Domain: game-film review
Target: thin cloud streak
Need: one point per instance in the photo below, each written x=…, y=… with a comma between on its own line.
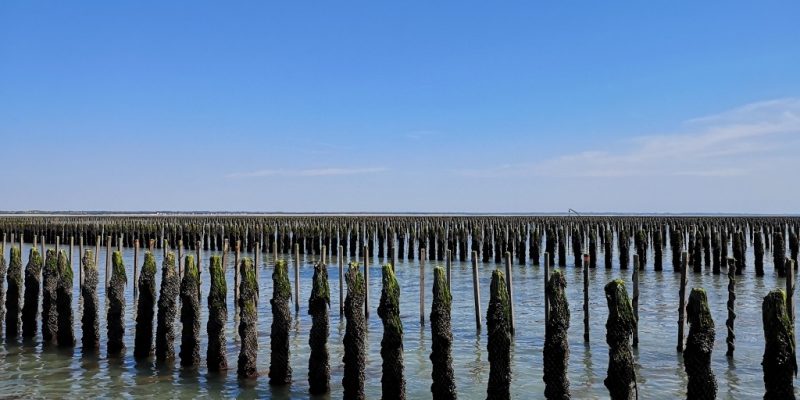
x=313, y=172
x=733, y=143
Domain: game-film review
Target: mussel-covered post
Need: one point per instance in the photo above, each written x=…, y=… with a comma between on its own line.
x=33, y=282
x=319, y=369
x=699, y=345
x=355, y=336
x=90, y=321
x=190, y=314
x=167, y=305
x=248, y=321
x=280, y=372
x=393, y=384
x=556, y=343
x=143, y=345
x=49, y=298
x=115, y=317
x=216, y=355
x=779, y=362
x=14, y=293
x=621, y=379
x=444, y=385
x=65, y=336
x=498, y=322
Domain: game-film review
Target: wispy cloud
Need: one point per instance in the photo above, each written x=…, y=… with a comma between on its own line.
x=313, y=172
x=737, y=142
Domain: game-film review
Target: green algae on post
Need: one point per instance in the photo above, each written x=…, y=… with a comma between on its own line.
x=167, y=305
x=319, y=369
x=115, y=316
x=143, y=342
x=556, y=343
x=49, y=298
x=65, y=335
x=216, y=355
x=248, y=320
x=498, y=321
x=33, y=282
x=779, y=362
x=190, y=314
x=355, y=335
x=393, y=384
x=90, y=320
x=621, y=377
x=444, y=384
x=280, y=372
x=699, y=346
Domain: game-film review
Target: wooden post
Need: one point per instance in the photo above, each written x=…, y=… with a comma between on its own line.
x=635, y=300
x=180, y=255
x=198, y=251
x=394, y=252
x=422, y=259
x=682, y=300
x=274, y=251
x=58, y=245
x=340, y=257
x=510, y=288
x=135, y=267
x=257, y=257
x=324, y=255
x=297, y=277
x=476, y=290
x=366, y=281
x=80, y=262
x=546, y=282
x=790, y=288
x=731, y=338
x=119, y=243
x=96, y=250
x=108, y=261
x=586, y=298
x=236, y=278
x=447, y=263
x=72, y=254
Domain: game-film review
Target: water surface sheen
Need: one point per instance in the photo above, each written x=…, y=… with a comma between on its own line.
x=28, y=370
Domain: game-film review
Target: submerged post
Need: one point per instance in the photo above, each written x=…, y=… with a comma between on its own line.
x=546, y=283
x=297, y=277
x=476, y=290
x=237, y=277
x=682, y=301
x=136, y=267
x=447, y=264
x=340, y=256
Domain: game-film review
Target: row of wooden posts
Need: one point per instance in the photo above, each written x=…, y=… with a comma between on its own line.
x=621, y=327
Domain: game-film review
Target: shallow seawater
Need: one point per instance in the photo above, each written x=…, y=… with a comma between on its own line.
x=28, y=370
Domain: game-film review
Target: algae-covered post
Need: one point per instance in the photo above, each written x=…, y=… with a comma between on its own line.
x=80, y=264
x=319, y=369
x=143, y=344
x=355, y=336
x=443, y=386
x=190, y=315
x=296, y=277
x=366, y=281
x=556, y=343
x=546, y=282
x=621, y=379
x=789, y=263
x=393, y=385
x=699, y=345
x=49, y=298
x=280, y=372
x=108, y=262
x=216, y=355
x=498, y=323
x=237, y=277
x=33, y=281
x=731, y=338
x=340, y=257
x=167, y=304
x=779, y=362
x=90, y=320
x=586, y=298
x=136, y=271
x=448, y=266
x=65, y=335
x=248, y=320
x=115, y=317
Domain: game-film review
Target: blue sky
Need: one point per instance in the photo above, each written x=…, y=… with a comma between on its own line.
x=400, y=106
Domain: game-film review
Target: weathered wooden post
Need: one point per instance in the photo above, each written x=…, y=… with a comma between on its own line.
x=237, y=276
x=779, y=361
x=635, y=300
x=136, y=268
x=443, y=386
x=498, y=325
x=546, y=282
x=447, y=264
x=297, y=277
x=354, y=340
x=476, y=290
x=509, y=288
x=248, y=321
x=340, y=257
x=366, y=281
x=790, y=288
x=180, y=255
x=556, y=344
x=108, y=261
x=256, y=260
x=324, y=254
x=621, y=379
x=586, y=298
x=71, y=255
x=731, y=338
x=90, y=321
x=682, y=300
x=422, y=259
x=393, y=383
x=699, y=345
x=97, y=242
x=280, y=372
x=80, y=263
x=199, y=251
